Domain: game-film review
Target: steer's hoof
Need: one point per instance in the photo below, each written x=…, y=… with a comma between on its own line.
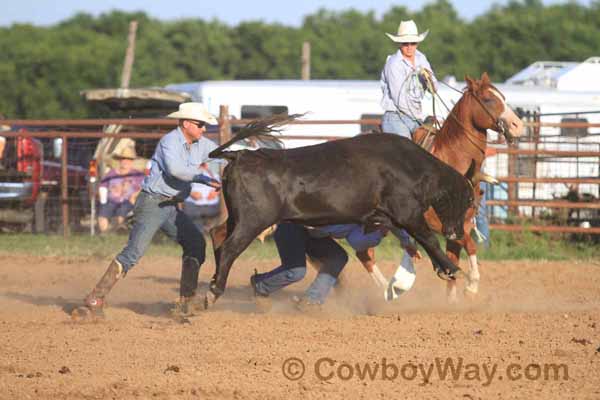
x=446, y=275
x=209, y=299
x=186, y=307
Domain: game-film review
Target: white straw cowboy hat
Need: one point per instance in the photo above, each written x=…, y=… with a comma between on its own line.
x=127, y=152
x=194, y=111
x=408, y=33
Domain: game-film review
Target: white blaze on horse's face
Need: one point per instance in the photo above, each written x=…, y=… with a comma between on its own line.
x=512, y=123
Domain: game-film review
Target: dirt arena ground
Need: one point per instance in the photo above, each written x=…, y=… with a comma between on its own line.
x=534, y=332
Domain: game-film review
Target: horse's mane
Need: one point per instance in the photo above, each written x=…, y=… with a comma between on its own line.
x=451, y=128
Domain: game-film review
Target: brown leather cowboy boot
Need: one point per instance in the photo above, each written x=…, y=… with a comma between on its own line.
x=186, y=305
x=94, y=302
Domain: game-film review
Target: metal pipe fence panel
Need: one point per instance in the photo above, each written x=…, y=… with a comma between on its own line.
x=550, y=180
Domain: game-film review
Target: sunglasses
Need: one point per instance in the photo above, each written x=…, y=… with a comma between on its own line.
x=199, y=124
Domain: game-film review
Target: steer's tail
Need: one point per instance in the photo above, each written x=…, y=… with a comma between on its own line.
x=259, y=128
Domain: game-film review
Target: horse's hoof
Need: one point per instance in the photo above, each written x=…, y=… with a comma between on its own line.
x=472, y=285
x=470, y=294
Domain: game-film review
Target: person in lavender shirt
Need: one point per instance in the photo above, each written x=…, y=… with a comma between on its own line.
x=122, y=186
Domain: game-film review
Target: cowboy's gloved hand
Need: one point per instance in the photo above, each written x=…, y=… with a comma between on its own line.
x=207, y=180
x=424, y=73
x=426, y=79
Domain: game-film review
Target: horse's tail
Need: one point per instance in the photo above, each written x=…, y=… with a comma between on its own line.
x=261, y=128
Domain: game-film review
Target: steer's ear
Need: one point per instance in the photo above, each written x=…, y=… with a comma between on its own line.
x=471, y=171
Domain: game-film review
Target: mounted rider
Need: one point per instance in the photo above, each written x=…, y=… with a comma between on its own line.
x=405, y=78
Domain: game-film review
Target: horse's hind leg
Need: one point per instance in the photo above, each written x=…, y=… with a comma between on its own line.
x=472, y=286
x=453, y=249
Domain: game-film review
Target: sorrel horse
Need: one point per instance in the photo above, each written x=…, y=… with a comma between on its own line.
x=462, y=138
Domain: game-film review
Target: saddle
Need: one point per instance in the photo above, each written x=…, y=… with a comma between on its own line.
x=424, y=134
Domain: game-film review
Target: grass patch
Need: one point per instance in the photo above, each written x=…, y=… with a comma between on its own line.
x=538, y=246
x=505, y=246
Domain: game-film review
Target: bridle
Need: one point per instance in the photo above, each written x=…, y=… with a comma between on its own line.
x=500, y=124
x=497, y=121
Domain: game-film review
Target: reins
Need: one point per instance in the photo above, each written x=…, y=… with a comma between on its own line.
x=497, y=121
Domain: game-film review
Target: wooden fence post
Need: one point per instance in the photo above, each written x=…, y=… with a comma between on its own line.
x=305, y=61
x=64, y=186
x=129, y=55
x=224, y=124
x=512, y=186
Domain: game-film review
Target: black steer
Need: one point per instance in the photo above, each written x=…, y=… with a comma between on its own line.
x=374, y=180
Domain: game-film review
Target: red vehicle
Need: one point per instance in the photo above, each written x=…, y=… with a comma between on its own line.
x=30, y=186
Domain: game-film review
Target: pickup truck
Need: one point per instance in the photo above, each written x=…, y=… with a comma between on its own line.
x=30, y=185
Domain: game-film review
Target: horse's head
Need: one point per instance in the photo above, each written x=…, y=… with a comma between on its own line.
x=490, y=111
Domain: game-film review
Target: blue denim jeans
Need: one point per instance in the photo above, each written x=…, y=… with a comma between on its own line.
x=400, y=124
x=294, y=244
x=150, y=214
x=481, y=219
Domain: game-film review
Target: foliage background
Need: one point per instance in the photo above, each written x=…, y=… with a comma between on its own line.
x=43, y=69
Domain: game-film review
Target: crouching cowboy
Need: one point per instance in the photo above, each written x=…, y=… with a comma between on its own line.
x=295, y=242
x=174, y=166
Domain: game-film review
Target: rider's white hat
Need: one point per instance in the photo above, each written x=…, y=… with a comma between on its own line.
x=408, y=33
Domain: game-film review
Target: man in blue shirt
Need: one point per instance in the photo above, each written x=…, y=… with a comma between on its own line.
x=404, y=79
x=174, y=166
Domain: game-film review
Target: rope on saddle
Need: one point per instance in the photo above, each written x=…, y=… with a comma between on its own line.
x=429, y=126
